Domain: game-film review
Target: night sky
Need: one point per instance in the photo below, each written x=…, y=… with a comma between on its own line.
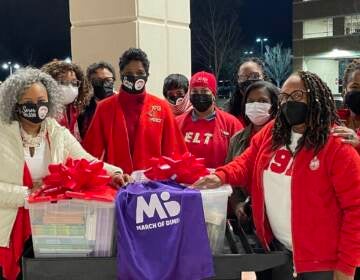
x=34, y=32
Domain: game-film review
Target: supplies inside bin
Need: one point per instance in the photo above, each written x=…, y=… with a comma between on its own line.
x=72, y=228
x=215, y=210
x=72, y=214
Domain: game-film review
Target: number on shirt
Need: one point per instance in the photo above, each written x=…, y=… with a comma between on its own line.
x=281, y=161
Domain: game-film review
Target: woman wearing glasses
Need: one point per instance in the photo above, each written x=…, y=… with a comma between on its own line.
x=304, y=184
x=76, y=92
x=101, y=75
x=249, y=71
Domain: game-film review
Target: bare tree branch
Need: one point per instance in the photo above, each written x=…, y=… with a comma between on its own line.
x=216, y=35
x=278, y=63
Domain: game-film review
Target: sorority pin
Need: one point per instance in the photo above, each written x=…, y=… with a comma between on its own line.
x=314, y=164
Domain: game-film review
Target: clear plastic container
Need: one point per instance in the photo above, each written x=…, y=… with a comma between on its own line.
x=72, y=228
x=215, y=203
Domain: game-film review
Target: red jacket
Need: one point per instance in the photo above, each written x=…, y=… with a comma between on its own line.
x=69, y=120
x=325, y=202
x=209, y=139
x=348, y=120
x=157, y=134
x=10, y=258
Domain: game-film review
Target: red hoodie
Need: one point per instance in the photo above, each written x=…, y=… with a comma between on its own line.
x=157, y=134
x=325, y=214
x=209, y=139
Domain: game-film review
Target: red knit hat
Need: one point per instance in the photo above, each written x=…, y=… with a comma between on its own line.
x=204, y=79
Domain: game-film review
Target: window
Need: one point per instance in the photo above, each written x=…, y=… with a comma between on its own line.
x=352, y=24
x=318, y=28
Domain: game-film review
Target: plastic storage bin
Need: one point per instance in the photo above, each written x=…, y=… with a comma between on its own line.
x=215, y=209
x=72, y=228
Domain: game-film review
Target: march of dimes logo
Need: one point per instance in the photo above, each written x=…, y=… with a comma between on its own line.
x=160, y=211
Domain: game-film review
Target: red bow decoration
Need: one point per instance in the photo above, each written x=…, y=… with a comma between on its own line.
x=184, y=169
x=80, y=179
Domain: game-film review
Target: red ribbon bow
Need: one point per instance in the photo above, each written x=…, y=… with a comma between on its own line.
x=184, y=169
x=80, y=179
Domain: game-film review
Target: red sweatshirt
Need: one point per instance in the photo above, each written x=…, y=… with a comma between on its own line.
x=325, y=214
x=156, y=135
x=131, y=105
x=209, y=139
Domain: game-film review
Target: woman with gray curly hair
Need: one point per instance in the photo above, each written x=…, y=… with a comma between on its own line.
x=31, y=139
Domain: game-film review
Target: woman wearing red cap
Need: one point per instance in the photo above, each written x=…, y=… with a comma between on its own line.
x=207, y=129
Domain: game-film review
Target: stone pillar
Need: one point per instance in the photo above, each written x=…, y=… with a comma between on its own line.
x=103, y=30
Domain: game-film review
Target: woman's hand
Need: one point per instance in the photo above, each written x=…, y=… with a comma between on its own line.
x=338, y=275
x=349, y=136
x=208, y=182
x=120, y=179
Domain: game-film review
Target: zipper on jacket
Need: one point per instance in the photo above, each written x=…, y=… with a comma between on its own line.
x=291, y=215
x=263, y=212
x=295, y=275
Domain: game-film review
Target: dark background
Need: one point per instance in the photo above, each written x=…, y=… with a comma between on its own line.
x=34, y=32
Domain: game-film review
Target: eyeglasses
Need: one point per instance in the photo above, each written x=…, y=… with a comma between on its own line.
x=296, y=95
x=138, y=74
x=251, y=76
x=74, y=83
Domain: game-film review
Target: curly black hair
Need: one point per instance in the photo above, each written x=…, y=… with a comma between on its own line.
x=58, y=68
x=320, y=117
x=91, y=70
x=273, y=93
x=175, y=81
x=134, y=54
x=350, y=69
x=236, y=99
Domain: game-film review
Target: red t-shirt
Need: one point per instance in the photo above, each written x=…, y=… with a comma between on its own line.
x=209, y=139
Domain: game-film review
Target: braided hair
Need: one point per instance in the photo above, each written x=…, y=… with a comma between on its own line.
x=350, y=69
x=320, y=117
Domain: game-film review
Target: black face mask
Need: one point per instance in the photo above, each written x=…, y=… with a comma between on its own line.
x=133, y=84
x=103, y=89
x=245, y=84
x=295, y=112
x=201, y=102
x=33, y=112
x=352, y=101
x=173, y=99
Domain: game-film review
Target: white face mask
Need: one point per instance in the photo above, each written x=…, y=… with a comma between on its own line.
x=70, y=93
x=258, y=112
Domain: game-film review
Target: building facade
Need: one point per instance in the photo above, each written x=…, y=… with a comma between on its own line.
x=326, y=36
x=159, y=27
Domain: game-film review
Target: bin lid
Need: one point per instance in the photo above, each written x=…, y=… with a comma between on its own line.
x=224, y=188
x=100, y=193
